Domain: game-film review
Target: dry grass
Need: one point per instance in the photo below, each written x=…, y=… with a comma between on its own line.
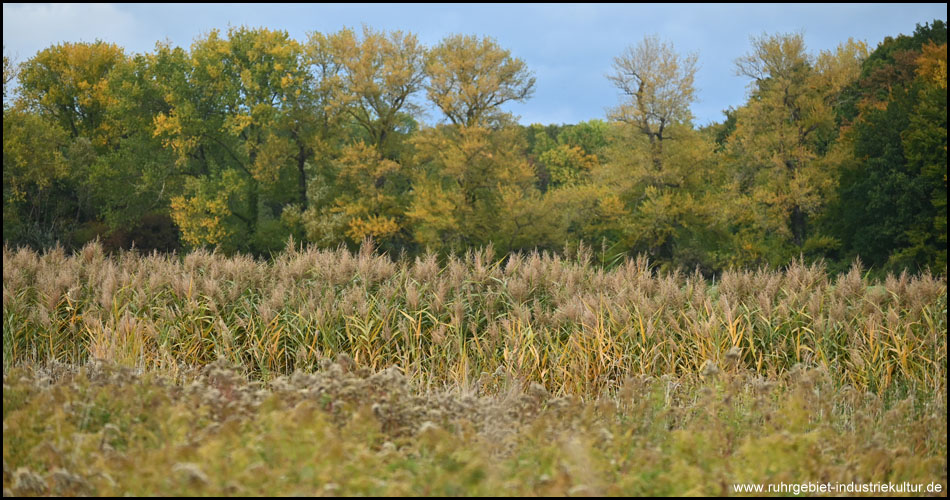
x=564, y=323
x=331, y=373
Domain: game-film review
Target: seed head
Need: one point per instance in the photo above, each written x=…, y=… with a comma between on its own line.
x=732, y=357
x=27, y=482
x=190, y=472
x=710, y=369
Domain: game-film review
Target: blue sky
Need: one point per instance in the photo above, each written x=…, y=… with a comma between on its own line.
x=569, y=47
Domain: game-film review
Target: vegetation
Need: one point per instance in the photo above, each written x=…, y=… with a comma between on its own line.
x=324, y=372
x=109, y=431
x=251, y=137
x=249, y=268
x=567, y=324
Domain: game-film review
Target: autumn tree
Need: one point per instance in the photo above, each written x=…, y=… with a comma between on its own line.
x=237, y=123
x=656, y=163
x=472, y=182
x=67, y=101
x=470, y=78
x=368, y=200
x=784, y=145
x=890, y=204
x=380, y=73
x=658, y=85
x=69, y=84
x=9, y=74
x=34, y=167
x=566, y=155
x=468, y=188
x=366, y=85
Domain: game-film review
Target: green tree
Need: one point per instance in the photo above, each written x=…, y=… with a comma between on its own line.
x=69, y=87
x=890, y=207
x=237, y=104
x=34, y=167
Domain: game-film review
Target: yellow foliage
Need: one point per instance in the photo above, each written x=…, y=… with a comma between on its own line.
x=375, y=226
x=470, y=78
x=200, y=219
x=932, y=64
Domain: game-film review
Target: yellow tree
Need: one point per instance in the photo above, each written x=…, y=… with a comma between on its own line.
x=379, y=74
x=656, y=164
x=467, y=185
x=469, y=79
x=472, y=183
x=783, y=143
x=369, y=204
x=69, y=83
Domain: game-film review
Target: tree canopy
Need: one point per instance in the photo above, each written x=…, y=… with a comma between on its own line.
x=249, y=138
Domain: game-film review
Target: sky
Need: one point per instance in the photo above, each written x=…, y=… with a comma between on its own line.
x=570, y=48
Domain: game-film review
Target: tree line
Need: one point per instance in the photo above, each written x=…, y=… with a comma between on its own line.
x=251, y=137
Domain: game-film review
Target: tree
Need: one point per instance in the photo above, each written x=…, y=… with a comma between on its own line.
x=69, y=82
x=783, y=143
x=469, y=79
x=467, y=183
x=663, y=209
x=9, y=75
x=890, y=204
x=380, y=74
x=71, y=88
x=659, y=85
x=370, y=202
x=34, y=167
x=655, y=163
x=237, y=118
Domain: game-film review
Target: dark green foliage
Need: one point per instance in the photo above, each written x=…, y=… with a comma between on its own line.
x=891, y=202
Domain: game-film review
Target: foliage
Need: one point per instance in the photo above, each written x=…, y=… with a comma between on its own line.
x=891, y=201
x=470, y=78
x=249, y=138
x=783, y=144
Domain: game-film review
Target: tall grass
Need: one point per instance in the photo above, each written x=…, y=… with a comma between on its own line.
x=565, y=323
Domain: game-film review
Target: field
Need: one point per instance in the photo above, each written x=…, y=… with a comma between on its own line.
x=331, y=373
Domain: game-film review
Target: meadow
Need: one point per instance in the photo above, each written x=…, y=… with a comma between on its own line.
x=324, y=372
